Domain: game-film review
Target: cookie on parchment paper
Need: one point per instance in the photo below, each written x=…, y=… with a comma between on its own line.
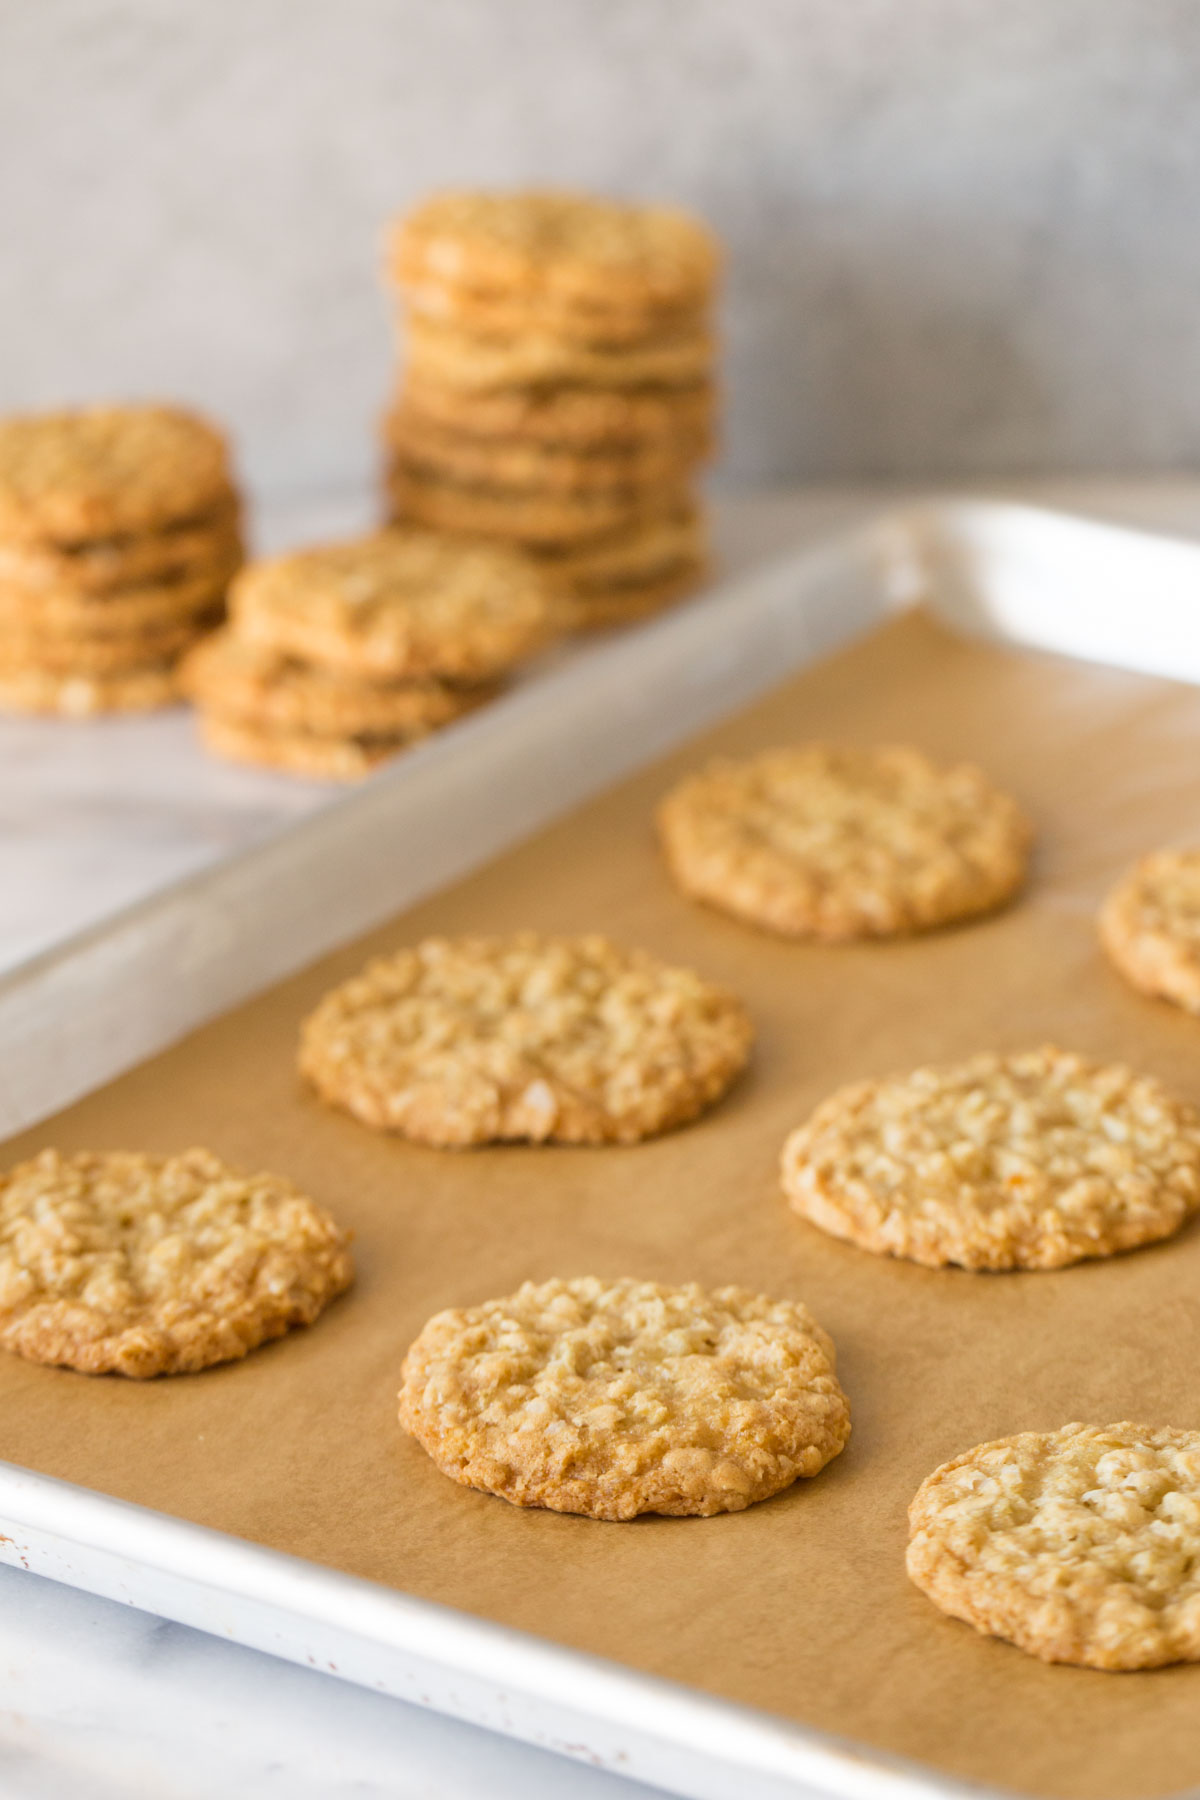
x=143, y=1265
x=1027, y=1161
x=1150, y=927
x=295, y=751
x=480, y=1040
x=819, y=842
x=614, y=1398
x=401, y=604
x=1079, y=1546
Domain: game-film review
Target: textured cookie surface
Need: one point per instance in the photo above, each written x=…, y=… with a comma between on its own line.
x=835, y=844
x=1029, y=1161
x=150, y=607
x=614, y=1398
x=209, y=549
x=401, y=603
x=567, y=417
x=1080, y=1545
x=574, y=247
x=523, y=468
x=142, y=1265
x=475, y=1040
x=1150, y=927
x=250, y=682
x=28, y=688
x=457, y=359
x=294, y=751
x=524, y=516
x=106, y=471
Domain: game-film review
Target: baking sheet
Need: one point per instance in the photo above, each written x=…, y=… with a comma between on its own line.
x=799, y=1606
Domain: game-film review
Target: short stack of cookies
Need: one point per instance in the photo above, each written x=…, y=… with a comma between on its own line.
x=559, y=389
x=338, y=656
x=119, y=533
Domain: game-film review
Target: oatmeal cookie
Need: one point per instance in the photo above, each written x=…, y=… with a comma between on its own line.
x=532, y=468
x=107, y=471
x=614, y=1398
x=520, y=517
x=625, y=603
x=1080, y=1545
x=1150, y=927
x=144, y=1265
x=110, y=653
x=295, y=751
x=565, y=418
x=496, y=313
x=480, y=1040
x=61, y=614
x=573, y=251
x=402, y=604
x=828, y=843
x=1027, y=1161
x=455, y=359
x=26, y=688
x=259, y=686
x=207, y=549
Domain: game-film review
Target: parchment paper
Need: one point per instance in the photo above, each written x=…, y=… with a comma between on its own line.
x=799, y=1606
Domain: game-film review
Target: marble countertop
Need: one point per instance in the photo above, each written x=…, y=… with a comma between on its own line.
x=104, y=1703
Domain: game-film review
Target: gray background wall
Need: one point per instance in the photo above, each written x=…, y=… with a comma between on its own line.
x=965, y=236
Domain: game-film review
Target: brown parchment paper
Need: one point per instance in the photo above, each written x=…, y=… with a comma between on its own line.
x=799, y=1606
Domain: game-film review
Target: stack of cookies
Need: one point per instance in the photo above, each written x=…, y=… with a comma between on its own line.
x=338, y=656
x=559, y=390
x=119, y=532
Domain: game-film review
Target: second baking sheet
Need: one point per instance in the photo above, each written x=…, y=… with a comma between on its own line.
x=799, y=1606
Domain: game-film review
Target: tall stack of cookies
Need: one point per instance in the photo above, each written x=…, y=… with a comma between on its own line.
x=119, y=533
x=559, y=391
x=339, y=656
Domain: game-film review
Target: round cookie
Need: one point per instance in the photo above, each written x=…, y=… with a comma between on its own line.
x=498, y=313
x=614, y=1398
x=110, y=654
x=625, y=603
x=107, y=471
x=29, y=689
x=1150, y=927
x=484, y=1040
x=296, y=752
x=1079, y=1546
x=574, y=249
x=525, y=468
x=209, y=549
x=144, y=1265
x=401, y=604
x=834, y=844
x=59, y=613
x=514, y=516
x=259, y=686
x=565, y=417
x=1028, y=1161
x=455, y=359
x=645, y=551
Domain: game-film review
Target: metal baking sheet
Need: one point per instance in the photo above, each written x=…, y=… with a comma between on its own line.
x=691, y=1654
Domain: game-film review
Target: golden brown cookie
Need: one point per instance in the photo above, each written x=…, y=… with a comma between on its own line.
x=567, y=1040
x=614, y=1398
x=209, y=549
x=523, y=517
x=60, y=614
x=259, y=686
x=566, y=417
x=1027, y=1161
x=401, y=604
x=107, y=471
x=645, y=551
x=530, y=468
x=29, y=689
x=1079, y=1546
x=107, y=652
x=147, y=1265
x=828, y=843
x=499, y=313
x=457, y=360
x=625, y=603
x=1150, y=927
x=563, y=248
x=298, y=752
